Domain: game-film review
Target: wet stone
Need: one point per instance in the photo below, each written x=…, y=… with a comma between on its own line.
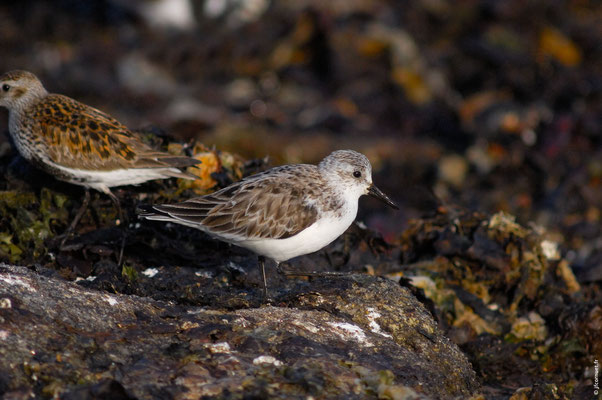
x=354, y=336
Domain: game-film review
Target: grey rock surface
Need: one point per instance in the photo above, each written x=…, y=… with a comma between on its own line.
x=361, y=337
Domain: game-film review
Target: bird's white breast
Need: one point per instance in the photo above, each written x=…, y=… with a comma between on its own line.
x=321, y=233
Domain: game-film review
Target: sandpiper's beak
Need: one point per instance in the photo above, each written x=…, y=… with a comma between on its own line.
x=376, y=193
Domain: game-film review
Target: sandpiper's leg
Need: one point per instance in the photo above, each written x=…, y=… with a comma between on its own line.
x=261, y=262
x=78, y=216
x=120, y=221
x=117, y=206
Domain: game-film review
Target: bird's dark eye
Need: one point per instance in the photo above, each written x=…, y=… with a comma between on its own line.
x=5, y=87
x=357, y=174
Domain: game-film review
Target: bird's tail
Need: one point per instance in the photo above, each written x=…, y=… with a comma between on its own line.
x=148, y=211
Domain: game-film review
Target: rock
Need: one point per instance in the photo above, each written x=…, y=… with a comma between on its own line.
x=361, y=337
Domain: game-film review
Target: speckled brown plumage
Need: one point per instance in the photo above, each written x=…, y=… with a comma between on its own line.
x=70, y=139
x=271, y=205
x=80, y=136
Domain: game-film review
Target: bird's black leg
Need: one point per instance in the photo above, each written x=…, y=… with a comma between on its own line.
x=261, y=262
x=78, y=216
x=117, y=206
x=120, y=221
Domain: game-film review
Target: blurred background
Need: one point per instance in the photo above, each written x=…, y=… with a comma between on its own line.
x=478, y=104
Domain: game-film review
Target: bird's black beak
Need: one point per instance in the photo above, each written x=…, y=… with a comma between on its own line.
x=376, y=193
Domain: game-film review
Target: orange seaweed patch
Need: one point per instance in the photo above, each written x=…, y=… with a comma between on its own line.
x=413, y=83
x=555, y=44
x=210, y=163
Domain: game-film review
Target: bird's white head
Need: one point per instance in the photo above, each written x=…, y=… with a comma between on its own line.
x=20, y=89
x=353, y=172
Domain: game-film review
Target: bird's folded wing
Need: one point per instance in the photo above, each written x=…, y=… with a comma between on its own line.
x=254, y=209
x=79, y=136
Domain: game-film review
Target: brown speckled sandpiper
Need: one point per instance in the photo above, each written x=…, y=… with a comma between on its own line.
x=80, y=144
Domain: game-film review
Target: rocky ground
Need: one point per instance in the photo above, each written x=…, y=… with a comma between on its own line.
x=482, y=119
x=84, y=343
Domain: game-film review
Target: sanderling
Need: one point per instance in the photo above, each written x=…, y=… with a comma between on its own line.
x=80, y=144
x=284, y=212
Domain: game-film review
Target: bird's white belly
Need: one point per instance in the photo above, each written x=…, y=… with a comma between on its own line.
x=309, y=240
x=102, y=179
